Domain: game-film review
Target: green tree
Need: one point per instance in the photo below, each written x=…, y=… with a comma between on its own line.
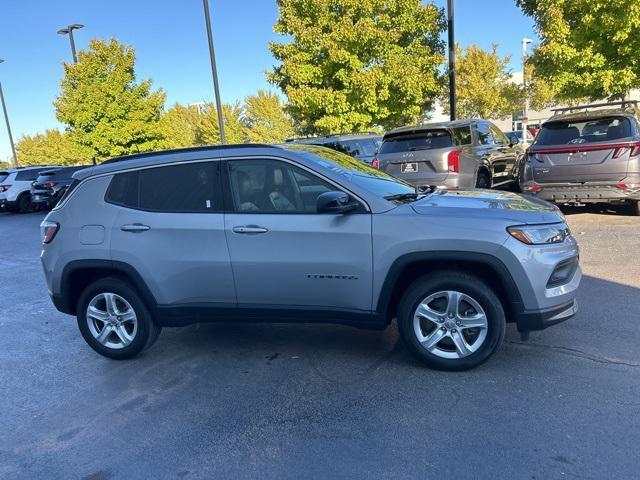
x=484, y=84
x=588, y=48
x=542, y=94
x=350, y=64
x=51, y=147
x=179, y=126
x=106, y=110
x=265, y=119
x=208, y=130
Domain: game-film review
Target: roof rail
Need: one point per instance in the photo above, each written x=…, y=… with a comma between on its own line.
x=596, y=105
x=203, y=148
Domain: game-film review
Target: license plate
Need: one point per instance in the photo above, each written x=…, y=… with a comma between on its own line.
x=409, y=167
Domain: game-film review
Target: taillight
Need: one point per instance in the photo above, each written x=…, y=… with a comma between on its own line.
x=628, y=186
x=375, y=163
x=635, y=150
x=49, y=184
x=618, y=152
x=48, y=231
x=453, y=161
x=531, y=188
x=4, y=188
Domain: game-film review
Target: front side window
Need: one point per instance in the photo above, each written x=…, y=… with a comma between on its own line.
x=498, y=136
x=484, y=134
x=272, y=186
x=186, y=188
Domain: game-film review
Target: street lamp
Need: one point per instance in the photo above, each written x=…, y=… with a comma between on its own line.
x=214, y=71
x=452, y=61
x=6, y=119
x=69, y=30
x=525, y=112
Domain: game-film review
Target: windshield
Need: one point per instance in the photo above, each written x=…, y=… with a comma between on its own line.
x=584, y=131
x=355, y=171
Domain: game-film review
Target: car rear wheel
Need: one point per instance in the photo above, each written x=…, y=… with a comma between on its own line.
x=633, y=207
x=114, y=320
x=24, y=203
x=483, y=180
x=451, y=320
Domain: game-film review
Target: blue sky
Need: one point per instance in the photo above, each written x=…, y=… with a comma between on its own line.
x=171, y=46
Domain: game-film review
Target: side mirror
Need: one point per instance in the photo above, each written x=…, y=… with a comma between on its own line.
x=334, y=202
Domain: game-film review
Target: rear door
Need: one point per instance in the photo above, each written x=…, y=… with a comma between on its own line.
x=589, y=150
x=170, y=228
x=494, y=152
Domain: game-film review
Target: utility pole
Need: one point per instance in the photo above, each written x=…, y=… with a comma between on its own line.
x=214, y=71
x=69, y=31
x=525, y=111
x=6, y=119
x=452, y=61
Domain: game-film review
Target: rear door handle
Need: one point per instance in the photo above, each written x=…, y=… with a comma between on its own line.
x=135, y=228
x=250, y=229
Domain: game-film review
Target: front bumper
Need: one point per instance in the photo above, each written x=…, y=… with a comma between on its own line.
x=583, y=193
x=530, y=320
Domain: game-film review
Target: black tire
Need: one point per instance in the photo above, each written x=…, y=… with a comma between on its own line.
x=147, y=331
x=24, y=203
x=464, y=283
x=483, y=180
x=633, y=207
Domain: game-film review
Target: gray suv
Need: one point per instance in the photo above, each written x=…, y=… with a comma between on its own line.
x=301, y=233
x=589, y=155
x=458, y=154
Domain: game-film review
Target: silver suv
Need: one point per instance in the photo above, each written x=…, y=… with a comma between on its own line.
x=458, y=154
x=301, y=233
x=587, y=154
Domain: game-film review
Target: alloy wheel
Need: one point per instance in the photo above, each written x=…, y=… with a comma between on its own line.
x=112, y=320
x=450, y=324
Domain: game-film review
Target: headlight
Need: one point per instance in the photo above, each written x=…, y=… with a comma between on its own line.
x=540, y=234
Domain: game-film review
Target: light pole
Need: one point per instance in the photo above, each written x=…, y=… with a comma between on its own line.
x=69, y=31
x=452, y=61
x=525, y=112
x=214, y=71
x=6, y=119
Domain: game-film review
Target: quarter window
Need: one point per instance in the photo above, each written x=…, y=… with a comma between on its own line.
x=271, y=186
x=176, y=188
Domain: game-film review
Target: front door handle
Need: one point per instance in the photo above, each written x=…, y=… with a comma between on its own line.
x=135, y=228
x=250, y=229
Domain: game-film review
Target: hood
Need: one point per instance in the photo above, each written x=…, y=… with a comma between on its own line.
x=490, y=204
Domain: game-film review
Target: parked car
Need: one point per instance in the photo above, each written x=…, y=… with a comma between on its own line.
x=362, y=146
x=51, y=184
x=457, y=154
x=15, y=189
x=588, y=156
x=515, y=137
x=301, y=233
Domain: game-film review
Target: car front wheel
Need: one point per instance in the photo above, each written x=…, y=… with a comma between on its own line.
x=451, y=320
x=114, y=320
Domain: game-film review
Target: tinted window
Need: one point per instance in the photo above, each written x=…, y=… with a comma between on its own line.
x=484, y=134
x=176, y=188
x=585, y=131
x=363, y=147
x=26, y=175
x=462, y=136
x=269, y=186
x=411, y=142
x=3, y=175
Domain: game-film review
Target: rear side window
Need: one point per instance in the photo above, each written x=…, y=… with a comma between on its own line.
x=27, y=175
x=188, y=188
x=462, y=136
x=414, y=141
x=584, y=131
x=484, y=134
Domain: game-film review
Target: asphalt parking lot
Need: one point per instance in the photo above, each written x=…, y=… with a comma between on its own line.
x=293, y=401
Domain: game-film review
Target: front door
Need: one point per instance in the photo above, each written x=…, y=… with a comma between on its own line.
x=286, y=255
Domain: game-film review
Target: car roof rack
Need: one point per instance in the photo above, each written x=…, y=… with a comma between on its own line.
x=205, y=148
x=623, y=104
